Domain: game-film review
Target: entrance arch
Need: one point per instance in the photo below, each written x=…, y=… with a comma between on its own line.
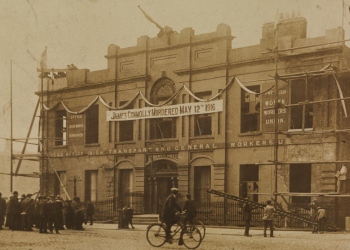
x=160, y=177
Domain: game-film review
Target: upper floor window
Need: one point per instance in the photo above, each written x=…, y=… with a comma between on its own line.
x=91, y=125
x=61, y=128
x=162, y=128
x=301, y=116
x=250, y=110
x=126, y=128
x=202, y=123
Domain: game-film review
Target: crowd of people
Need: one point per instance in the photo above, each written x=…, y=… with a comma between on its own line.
x=44, y=213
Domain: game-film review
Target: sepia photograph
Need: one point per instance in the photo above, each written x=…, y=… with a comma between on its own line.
x=162, y=124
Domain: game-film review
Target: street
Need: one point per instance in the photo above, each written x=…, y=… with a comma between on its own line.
x=107, y=236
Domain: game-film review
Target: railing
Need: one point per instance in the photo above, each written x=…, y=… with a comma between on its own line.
x=215, y=213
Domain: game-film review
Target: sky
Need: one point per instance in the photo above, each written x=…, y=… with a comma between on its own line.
x=80, y=31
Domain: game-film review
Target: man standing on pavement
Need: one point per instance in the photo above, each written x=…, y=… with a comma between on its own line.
x=321, y=219
x=28, y=208
x=247, y=216
x=54, y=209
x=269, y=211
x=169, y=212
x=90, y=210
x=313, y=214
x=2, y=211
x=43, y=214
x=13, y=213
x=60, y=206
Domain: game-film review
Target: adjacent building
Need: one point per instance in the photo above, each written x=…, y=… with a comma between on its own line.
x=191, y=111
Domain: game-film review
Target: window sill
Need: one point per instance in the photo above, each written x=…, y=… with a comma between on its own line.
x=92, y=145
x=125, y=142
x=299, y=130
x=60, y=146
x=202, y=137
x=251, y=133
x=161, y=140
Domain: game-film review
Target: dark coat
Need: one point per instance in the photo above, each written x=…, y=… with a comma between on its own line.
x=190, y=208
x=43, y=208
x=247, y=212
x=170, y=208
x=13, y=206
x=2, y=207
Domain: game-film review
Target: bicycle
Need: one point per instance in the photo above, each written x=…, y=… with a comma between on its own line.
x=200, y=225
x=191, y=235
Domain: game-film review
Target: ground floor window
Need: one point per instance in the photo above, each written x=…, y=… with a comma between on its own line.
x=300, y=181
x=249, y=181
x=202, y=182
x=91, y=185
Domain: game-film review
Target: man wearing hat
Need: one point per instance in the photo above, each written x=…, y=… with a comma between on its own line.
x=2, y=211
x=28, y=208
x=54, y=209
x=23, y=212
x=313, y=213
x=169, y=212
x=14, y=212
x=321, y=219
x=43, y=214
x=247, y=216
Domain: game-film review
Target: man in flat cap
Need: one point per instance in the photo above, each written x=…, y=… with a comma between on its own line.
x=169, y=212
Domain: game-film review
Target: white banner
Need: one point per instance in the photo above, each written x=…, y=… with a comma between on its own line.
x=196, y=108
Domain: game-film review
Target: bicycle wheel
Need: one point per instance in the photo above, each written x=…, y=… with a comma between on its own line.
x=192, y=237
x=201, y=227
x=156, y=235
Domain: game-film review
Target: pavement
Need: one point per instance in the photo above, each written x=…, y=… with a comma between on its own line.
x=108, y=236
x=221, y=230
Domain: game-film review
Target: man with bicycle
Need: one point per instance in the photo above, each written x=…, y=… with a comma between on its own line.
x=190, y=214
x=169, y=212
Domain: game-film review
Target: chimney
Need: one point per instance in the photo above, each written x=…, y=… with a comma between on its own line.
x=294, y=27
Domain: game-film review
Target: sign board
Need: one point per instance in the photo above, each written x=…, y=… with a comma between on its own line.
x=184, y=109
x=75, y=129
x=268, y=111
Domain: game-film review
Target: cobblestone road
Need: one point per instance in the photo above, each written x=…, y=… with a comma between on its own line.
x=103, y=236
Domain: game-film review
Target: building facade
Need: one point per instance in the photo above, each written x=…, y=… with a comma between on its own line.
x=190, y=111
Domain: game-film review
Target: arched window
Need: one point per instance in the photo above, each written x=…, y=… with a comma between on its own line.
x=163, y=128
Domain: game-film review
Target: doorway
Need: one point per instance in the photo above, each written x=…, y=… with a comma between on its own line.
x=159, y=179
x=300, y=181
